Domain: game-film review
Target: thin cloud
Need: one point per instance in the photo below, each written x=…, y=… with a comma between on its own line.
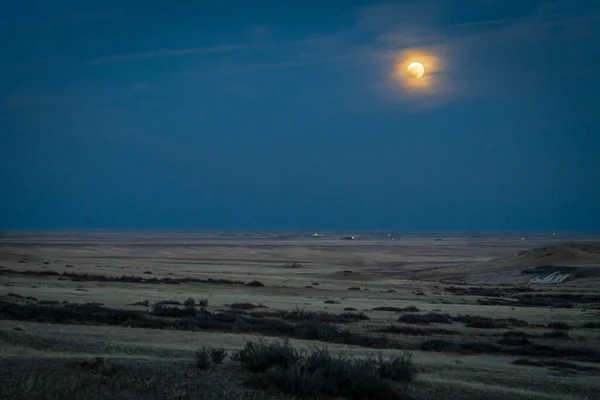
x=165, y=53
x=301, y=63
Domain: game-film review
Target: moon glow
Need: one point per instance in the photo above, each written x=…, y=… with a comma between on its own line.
x=416, y=69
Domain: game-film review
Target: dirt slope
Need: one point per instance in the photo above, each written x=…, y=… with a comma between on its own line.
x=585, y=258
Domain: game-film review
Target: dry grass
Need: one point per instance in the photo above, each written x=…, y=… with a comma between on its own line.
x=194, y=288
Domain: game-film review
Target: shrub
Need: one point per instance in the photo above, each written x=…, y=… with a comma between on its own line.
x=314, y=330
x=464, y=347
x=319, y=373
x=218, y=355
x=259, y=356
x=515, y=338
x=203, y=302
x=416, y=331
x=190, y=302
x=412, y=309
x=425, y=319
x=557, y=334
x=299, y=314
x=242, y=306
x=553, y=363
x=397, y=368
x=592, y=325
x=203, y=358
x=559, y=326
x=97, y=364
x=169, y=303
x=255, y=284
x=485, y=323
x=296, y=380
x=160, y=310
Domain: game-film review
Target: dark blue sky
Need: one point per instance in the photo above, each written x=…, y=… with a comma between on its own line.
x=288, y=115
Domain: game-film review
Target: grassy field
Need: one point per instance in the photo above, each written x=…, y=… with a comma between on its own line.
x=145, y=304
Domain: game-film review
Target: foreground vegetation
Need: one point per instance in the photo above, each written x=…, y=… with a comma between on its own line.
x=278, y=365
x=304, y=325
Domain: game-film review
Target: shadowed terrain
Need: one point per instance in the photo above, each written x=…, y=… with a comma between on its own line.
x=145, y=304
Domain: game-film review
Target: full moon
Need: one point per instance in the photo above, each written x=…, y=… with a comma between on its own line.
x=416, y=69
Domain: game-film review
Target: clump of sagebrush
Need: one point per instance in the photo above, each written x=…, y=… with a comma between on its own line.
x=218, y=355
x=397, y=309
x=203, y=358
x=189, y=302
x=259, y=356
x=425, y=319
x=255, y=284
x=203, y=302
x=319, y=373
x=242, y=306
x=169, y=303
x=563, y=326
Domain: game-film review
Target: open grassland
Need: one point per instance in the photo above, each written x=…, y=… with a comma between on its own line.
x=127, y=316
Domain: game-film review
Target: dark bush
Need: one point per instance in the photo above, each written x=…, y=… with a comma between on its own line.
x=242, y=306
x=459, y=347
x=255, y=284
x=416, y=331
x=411, y=309
x=557, y=334
x=425, y=319
x=218, y=355
x=397, y=368
x=189, y=302
x=485, y=323
x=476, y=321
x=319, y=373
x=203, y=358
x=301, y=315
x=259, y=356
x=559, y=326
x=553, y=363
x=592, y=325
x=202, y=302
x=314, y=330
x=168, y=303
x=159, y=309
x=515, y=338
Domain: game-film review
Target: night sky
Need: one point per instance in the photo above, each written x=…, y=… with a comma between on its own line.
x=293, y=115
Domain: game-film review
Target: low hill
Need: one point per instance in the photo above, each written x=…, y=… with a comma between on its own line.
x=578, y=260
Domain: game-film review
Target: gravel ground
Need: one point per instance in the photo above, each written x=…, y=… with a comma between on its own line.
x=53, y=378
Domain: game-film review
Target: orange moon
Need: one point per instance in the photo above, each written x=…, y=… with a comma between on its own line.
x=416, y=69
